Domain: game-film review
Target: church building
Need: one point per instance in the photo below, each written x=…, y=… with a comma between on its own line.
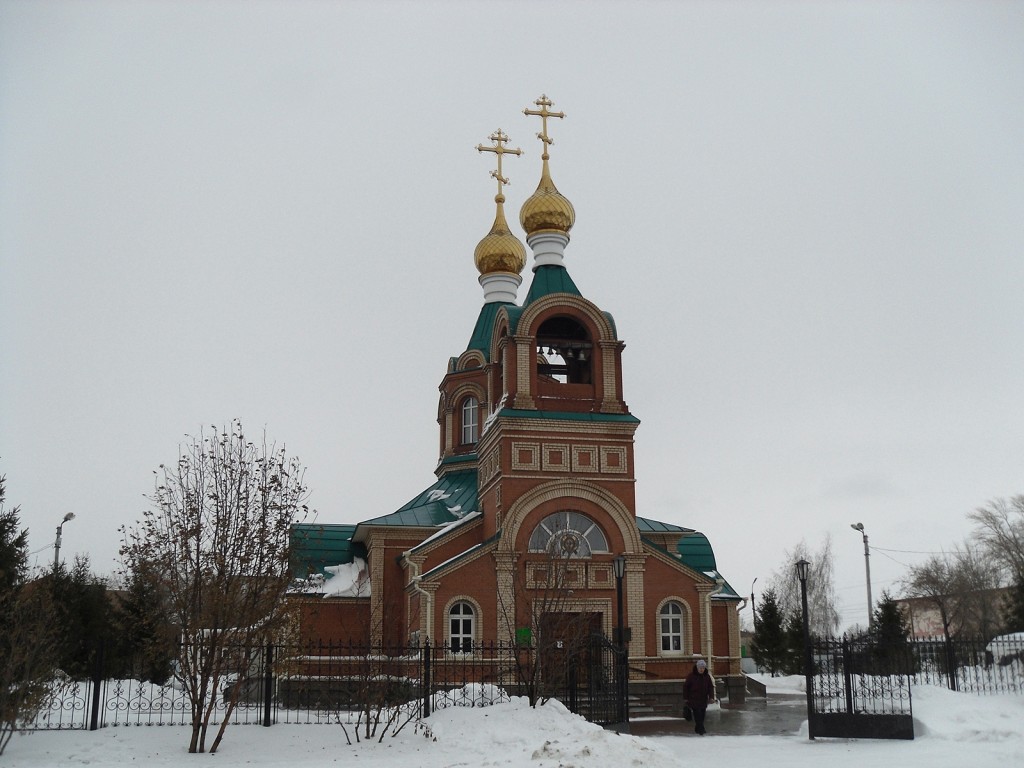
x=531, y=529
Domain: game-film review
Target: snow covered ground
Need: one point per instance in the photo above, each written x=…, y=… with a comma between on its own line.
x=952, y=729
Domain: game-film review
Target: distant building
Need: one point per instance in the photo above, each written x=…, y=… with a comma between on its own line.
x=974, y=614
x=534, y=496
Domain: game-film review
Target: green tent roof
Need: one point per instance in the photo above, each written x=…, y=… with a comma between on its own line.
x=548, y=279
x=481, y=338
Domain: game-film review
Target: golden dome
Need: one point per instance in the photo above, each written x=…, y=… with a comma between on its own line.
x=500, y=250
x=547, y=208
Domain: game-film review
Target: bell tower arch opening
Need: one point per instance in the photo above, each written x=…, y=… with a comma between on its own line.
x=564, y=351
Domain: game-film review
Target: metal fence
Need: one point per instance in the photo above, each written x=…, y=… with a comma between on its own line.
x=860, y=688
x=971, y=665
x=345, y=684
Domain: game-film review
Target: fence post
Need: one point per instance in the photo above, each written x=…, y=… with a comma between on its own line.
x=427, y=684
x=268, y=684
x=951, y=669
x=848, y=675
x=97, y=686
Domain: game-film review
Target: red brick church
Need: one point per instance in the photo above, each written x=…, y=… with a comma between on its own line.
x=532, y=520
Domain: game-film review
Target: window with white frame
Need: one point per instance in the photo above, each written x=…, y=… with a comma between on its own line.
x=671, y=619
x=461, y=618
x=568, y=534
x=470, y=421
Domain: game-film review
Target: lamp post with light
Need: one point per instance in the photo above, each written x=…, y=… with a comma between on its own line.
x=867, y=569
x=56, y=545
x=619, y=567
x=802, y=569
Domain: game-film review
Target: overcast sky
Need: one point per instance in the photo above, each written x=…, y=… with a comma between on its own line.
x=806, y=218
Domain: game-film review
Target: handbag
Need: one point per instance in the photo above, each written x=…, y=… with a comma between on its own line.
x=687, y=712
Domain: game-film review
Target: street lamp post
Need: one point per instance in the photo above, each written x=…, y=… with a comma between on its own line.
x=56, y=545
x=619, y=566
x=867, y=570
x=802, y=569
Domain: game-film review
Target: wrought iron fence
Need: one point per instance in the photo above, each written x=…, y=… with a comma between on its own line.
x=860, y=689
x=340, y=683
x=972, y=665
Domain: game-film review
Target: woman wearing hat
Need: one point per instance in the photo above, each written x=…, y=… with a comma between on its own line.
x=699, y=691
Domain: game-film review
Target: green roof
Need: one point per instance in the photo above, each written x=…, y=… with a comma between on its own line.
x=481, y=338
x=316, y=546
x=644, y=525
x=548, y=279
x=449, y=499
x=521, y=413
x=695, y=550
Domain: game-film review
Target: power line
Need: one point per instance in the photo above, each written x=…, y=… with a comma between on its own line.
x=907, y=551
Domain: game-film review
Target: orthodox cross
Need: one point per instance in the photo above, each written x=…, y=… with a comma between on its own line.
x=543, y=113
x=499, y=148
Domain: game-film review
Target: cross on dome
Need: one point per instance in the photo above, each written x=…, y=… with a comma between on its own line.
x=500, y=139
x=544, y=113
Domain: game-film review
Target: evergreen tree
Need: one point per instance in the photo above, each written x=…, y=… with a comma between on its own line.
x=149, y=637
x=794, y=658
x=86, y=627
x=890, y=635
x=13, y=546
x=769, y=646
x=26, y=637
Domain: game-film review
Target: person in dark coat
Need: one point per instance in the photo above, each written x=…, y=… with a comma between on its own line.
x=699, y=691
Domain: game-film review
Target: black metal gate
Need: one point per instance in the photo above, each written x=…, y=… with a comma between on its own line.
x=861, y=689
x=595, y=681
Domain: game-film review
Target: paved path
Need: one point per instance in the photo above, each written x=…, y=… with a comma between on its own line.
x=779, y=713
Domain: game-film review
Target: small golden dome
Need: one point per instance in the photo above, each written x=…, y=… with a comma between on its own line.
x=500, y=250
x=547, y=208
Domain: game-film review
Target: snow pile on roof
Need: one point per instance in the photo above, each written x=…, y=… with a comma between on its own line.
x=347, y=580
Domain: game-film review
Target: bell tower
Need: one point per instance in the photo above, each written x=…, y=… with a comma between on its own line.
x=559, y=435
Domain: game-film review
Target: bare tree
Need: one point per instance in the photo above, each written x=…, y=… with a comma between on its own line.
x=961, y=585
x=546, y=629
x=821, y=590
x=216, y=545
x=1000, y=530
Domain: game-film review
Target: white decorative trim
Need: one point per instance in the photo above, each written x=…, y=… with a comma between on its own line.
x=550, y=448
x=548, y=248
x=501, y=286
x=620, y=452
x=578, y=451
x=533, y=464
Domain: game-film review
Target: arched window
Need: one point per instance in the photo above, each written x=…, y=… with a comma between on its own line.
x=671, y=630
x=461, y=619
x=564, y=351
x=470, y=421
x=568, y=534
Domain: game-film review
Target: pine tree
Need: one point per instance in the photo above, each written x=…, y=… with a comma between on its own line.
x=13, y=547
x=890, y=635
x=769, y=644
x=794, y=657
x=26, y=637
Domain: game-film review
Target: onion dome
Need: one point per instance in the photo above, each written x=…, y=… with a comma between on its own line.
x=547, y=209
x=500, y=250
